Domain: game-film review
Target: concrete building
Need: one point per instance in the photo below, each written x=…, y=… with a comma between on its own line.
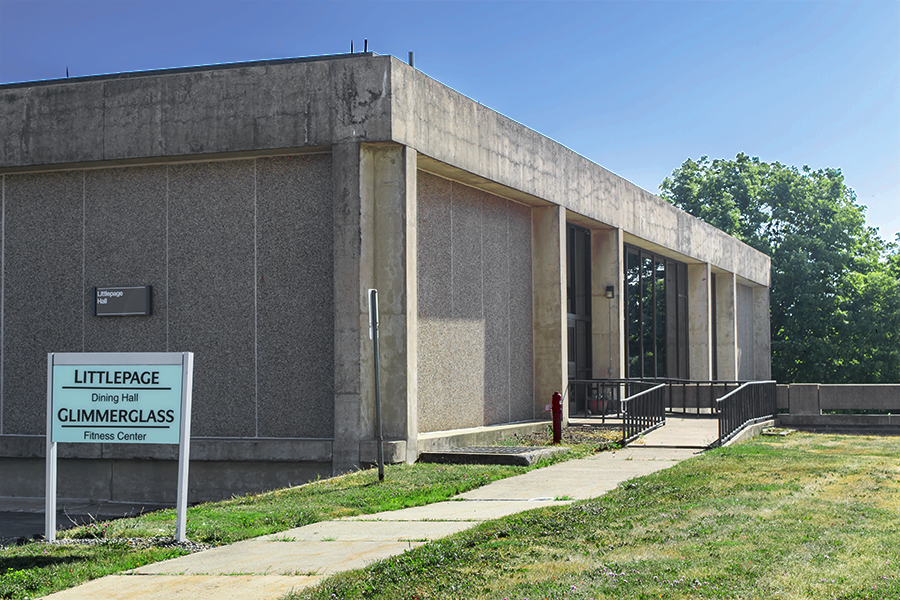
x=262, y=200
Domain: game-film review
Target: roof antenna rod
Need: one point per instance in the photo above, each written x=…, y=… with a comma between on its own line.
x=351, y=46
x=365, y=45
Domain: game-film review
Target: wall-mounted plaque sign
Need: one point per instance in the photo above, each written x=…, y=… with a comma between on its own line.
x=122, y=301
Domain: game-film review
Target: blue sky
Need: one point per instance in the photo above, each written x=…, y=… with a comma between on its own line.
x=637, y=87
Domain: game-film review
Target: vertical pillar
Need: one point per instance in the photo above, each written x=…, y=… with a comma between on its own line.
x=700, y=321
x=394, y=238
x=550, y=324
x=726, y=346
x=607, y=318
x=375, y=246
x=762, y=337
x=347, y=323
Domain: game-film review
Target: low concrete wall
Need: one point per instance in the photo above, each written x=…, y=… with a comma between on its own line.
x=859, y=396
x=438, y=441
x=748, y=433
x=155, y=481
x=220, y=468
x=781, y=397
x=806, y=403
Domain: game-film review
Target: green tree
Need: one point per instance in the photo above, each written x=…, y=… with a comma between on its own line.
x=835, y=294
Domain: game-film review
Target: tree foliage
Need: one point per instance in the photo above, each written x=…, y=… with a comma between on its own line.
x=835, y=294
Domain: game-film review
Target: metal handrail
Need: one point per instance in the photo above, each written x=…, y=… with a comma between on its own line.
x=644, y=411
x=602, y=397
x=751, y=403
x=702, y=393
x=649, y=415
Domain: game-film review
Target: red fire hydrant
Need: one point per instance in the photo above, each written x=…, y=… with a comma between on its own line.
x=557, y=417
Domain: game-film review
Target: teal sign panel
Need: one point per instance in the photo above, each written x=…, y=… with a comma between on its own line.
x=126, y=404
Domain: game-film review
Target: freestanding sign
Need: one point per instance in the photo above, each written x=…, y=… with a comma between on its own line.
x=115, y=398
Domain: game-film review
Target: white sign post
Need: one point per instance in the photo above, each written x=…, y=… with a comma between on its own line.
x=119, y=398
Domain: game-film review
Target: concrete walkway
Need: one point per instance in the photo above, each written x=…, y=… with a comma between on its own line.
x=271, y=566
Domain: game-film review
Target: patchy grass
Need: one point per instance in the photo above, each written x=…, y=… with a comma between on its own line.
x=352, y=494
x=37, y=569
x=806, y=516
x=600, y=437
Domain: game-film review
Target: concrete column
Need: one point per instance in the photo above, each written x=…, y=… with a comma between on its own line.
x=762, y=337
x=550, y=333
x=394, y=240
x=700, y=321
x=375, y=247
x=388, y=263
x=726, y=346
x=347, y=306
x=607, y=318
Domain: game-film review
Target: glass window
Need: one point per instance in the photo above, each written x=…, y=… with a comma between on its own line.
x=655, y=316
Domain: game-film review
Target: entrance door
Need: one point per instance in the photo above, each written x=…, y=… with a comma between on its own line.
x=578, y=298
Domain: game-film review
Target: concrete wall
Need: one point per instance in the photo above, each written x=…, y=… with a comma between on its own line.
x=746, y=361
x=813, y=398
x=210, y=238
x=808, y=401
x=273, y=105
x=857, y=396
x=607, y=315
x=155, y=481
x=727, y=337
x=475, y=335
x=548, y=226
x=504, y=155
x=700, y=338
x=762, y=335
x=252, y=107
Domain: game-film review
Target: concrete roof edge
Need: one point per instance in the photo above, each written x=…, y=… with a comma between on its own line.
x=465, y=135
x=182, y=70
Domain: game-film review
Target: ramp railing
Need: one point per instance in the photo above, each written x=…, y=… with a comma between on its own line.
x=643, y=412
x=642, y=404
x=751, y=403
x=603, y=397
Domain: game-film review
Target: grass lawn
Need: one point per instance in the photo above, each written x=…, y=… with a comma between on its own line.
x=37, y=569
x=804, y=516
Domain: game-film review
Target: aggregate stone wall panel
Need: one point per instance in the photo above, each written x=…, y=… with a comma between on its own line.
x=475, y=341
x=211, y=291
x=44, y=298
x=295, y=352
x=434, y=282
x=466, y=338
x=496, y=284
x=521, y=314
x=125, y=245
x=434, y=247
x=746, y=358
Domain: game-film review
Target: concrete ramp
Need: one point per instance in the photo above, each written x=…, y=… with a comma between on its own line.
x=682, y=431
